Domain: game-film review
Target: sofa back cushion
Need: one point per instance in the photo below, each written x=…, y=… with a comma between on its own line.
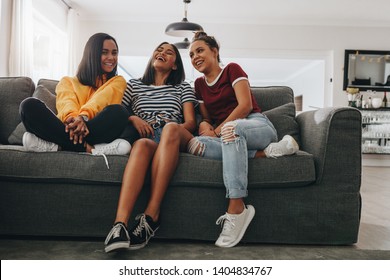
x=43, y=94
x=49, y=84
x=13, y=90
x=271, y=97
x=283, y=119
x=277, y=103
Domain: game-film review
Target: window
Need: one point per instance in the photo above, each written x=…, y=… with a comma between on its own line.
x=50, y=49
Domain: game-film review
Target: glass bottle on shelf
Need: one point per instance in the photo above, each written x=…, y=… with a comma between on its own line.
x=361, y=102
x=384, y=101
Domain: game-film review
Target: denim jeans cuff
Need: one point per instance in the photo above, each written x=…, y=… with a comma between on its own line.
x=236, y=193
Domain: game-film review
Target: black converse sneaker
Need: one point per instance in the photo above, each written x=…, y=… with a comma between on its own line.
x=117, y=238
x=142, y=232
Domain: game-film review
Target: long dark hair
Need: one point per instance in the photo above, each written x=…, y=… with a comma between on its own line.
x=176, y=76
x=90, y=70
x=209, y=40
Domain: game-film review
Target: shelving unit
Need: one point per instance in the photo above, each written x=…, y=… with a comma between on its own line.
x=376, y=131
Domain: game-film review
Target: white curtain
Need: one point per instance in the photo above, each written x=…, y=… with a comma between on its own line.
x=21, y=46
x=73, y=41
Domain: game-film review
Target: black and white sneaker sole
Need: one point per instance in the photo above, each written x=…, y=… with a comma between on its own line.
x=138, y=246
x=124, y=245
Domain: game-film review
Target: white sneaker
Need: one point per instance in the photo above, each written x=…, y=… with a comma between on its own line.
x=116, y=147
x=286, y=146
x=234, y=227
x=33, y=143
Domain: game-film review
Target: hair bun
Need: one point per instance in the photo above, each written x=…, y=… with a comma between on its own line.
x=200, y=34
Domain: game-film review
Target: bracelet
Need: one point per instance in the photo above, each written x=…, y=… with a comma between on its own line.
x=84, y=117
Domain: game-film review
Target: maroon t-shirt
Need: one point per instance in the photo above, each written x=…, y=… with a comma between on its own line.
x=219, y=97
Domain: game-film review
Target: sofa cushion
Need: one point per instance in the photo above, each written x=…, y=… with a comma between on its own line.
x=283, y=119
x=12, y=91
x=66, y=167
x=42, y=94
x=271, y=97
x=17, y=135
x=49, y=84
x=45, y=95
x=362, y=82
x=288, y=171
x=60, y=167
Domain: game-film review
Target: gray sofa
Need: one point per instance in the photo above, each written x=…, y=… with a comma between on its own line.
x=312, y=197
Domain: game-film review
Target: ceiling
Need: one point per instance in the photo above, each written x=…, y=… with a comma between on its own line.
x=301, y=12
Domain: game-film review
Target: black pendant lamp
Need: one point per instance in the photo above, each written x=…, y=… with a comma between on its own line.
x=183, y=44
x=184, y=28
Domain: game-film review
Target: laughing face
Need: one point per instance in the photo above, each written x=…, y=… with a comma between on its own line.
x=109, y=56
x=164, y=58
x=202, y=56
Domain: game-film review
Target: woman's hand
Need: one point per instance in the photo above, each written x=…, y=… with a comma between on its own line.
x=77, y=129
x=206, y=129
x=144, y=129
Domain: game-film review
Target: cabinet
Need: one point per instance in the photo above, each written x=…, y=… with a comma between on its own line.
x=376, y=131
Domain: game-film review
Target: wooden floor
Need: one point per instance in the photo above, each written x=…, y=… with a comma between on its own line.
x=374, y=231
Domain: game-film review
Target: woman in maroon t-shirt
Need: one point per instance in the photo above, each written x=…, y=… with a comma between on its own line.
x=233, y=129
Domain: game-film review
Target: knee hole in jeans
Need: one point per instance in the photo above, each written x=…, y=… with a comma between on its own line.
x=228, y=133
x=195, y=147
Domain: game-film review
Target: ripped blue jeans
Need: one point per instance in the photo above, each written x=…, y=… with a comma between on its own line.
x=240, y=140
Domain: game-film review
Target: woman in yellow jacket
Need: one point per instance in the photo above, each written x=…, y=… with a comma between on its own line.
x=89, y=107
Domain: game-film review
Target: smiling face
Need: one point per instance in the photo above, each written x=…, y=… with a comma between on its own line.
x=109, y=58
x=164, y=58
x=203, y=58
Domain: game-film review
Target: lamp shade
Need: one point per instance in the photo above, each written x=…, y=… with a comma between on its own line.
x=183, y=44
x=183, y=28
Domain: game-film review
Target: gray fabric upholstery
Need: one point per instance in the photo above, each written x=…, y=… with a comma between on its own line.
x=272, y=97
x=49, y=84
x=48, y=98
x=16, y=137
x=192, y=170
x=13, y=90
x=283, y=119
x=312, y=197
x=45, y=95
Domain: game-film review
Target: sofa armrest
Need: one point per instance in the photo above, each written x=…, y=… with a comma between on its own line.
x=333, y=136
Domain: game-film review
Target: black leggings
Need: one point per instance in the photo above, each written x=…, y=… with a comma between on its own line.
x=105, y=127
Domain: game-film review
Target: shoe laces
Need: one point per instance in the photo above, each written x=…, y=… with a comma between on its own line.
x=107, y=148
x=274, y=151
x=43, y=145
x=227, y=221
x=278, y=149
x=143, y=225
x=116, y=232
x=105, y=158
x=286, y=146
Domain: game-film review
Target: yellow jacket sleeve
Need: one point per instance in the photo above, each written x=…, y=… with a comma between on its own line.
x=75, y=99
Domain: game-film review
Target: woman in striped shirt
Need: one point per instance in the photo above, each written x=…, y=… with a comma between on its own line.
x=163, y=114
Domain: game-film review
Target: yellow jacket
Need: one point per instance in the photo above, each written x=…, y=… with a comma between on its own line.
x=75, y=99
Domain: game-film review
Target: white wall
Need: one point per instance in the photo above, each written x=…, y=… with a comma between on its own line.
x=255, y=40
x=310, y=84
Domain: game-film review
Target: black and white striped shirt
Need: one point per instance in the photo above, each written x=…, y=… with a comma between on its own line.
x=155, y=102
